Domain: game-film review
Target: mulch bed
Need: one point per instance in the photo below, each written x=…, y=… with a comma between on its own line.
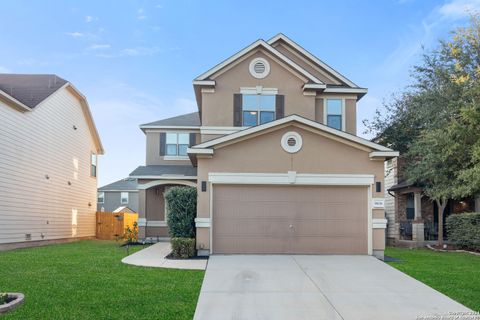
x=170, y=257
x=451, y=248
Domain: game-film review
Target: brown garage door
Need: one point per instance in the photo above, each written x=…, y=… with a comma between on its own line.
x=289, y=219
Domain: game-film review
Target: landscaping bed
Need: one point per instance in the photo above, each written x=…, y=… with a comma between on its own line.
x=87, y=280
x=455, y=274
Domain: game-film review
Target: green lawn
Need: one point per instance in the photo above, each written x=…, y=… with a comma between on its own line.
x=457, y=275
x=86, y=280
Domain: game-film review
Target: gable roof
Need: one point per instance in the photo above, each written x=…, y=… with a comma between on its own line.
x=30, y=89
x=264, y=45
x=168, y=171
x=310, y=56
x=377, y=150
x=190, y=120
x=127, y=184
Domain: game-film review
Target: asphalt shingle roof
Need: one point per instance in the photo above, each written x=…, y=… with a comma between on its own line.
x=159, y=170
x=124, y=184
x=189, y=119
x=30, y=89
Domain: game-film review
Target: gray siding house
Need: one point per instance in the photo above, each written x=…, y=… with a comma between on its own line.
x=121, y=193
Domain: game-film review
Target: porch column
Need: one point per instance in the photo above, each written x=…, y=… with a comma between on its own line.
x=142, y=204
x=417, y=224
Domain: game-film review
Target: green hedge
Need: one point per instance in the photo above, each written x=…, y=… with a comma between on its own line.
x=182, y=209
x=183, y=247
x=464, y=230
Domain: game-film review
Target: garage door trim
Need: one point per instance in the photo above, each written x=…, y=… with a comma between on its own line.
x=292, y=178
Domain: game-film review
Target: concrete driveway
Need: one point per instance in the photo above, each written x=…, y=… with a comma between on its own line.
x=314, y=287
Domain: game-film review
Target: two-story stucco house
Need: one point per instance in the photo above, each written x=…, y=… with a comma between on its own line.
x=48, y=161
x=274, y=154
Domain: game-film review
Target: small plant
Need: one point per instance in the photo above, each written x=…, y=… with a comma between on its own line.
x=131, y=234
x=3, y=297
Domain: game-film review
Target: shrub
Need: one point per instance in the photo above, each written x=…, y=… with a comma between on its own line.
x=131, y=234
x=3, y=297
x=183, y=247
x=182, y=209
x=464, y=230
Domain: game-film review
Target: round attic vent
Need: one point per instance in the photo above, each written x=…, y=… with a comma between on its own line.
x=291, y=142
x=259, y=68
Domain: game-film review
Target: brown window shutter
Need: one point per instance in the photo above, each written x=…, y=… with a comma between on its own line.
x=163, y=140
x=237, y=110
x=193, y=139
x=280, y=106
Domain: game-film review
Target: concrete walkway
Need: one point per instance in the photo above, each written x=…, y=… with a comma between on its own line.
x=281, y=287
x=154, y=256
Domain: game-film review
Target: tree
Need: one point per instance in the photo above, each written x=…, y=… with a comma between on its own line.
x=435, y=122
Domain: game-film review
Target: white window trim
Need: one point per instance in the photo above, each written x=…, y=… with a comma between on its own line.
x=177, y=156
x=121, y=197
x=259, y=90
x=325, y=109
x=103, y=197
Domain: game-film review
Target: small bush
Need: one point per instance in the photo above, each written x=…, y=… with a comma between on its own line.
x=182, y=209
x=3, y=297
x=183, y=248
x=464, y=230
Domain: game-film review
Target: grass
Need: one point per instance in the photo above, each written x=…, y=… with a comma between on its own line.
x=86, y=280
x=456, y=275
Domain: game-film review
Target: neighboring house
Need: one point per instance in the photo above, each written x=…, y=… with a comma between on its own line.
x=413, y=217
x=274, y=155
x=48, y=161
x=121, y=195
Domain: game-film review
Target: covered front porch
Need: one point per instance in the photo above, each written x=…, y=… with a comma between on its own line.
x=416, y=215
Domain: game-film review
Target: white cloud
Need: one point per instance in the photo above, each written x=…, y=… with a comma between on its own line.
x=141, y=14
x=159, y=6
x=4, y=70
x=99, y=46
x=132, y=52
x=457, y=9
x=89, y=19
x=75, y=34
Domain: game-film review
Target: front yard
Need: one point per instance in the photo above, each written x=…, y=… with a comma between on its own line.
x=456, y=275
x=86, y=280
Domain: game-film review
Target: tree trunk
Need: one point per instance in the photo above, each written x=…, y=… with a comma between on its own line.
x=441, y=204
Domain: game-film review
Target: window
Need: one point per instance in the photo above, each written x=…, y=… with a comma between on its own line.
x=257, y=109
x=124, y=197
x=177, y=144
x=334, y=113
x=101, y=197
x=93, y=165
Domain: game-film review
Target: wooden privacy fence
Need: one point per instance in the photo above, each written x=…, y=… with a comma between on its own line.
x=111, y=226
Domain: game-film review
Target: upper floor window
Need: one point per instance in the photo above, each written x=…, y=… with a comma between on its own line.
x=93, y=165
x=101, y=197
x=124, y=197
x=177, y=144
x=257, y=109
x=334, y=113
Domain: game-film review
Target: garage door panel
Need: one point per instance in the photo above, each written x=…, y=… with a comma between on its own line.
x=289, y=219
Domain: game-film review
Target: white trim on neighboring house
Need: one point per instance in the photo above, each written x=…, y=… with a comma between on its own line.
x=200, y=151
x=142, y=222
x=325, y=109
x=392, y=153
x=314, y=86
x=202, y=222
x=154, y=183
x=122, y=194
x=102, y=197
x=347, y=136
x=379, y=223
x=170, y=127
x=220, y=130
x=291, y=178
x=312, y=57
x=345, y=90
x=247, y=49
x=204, y=82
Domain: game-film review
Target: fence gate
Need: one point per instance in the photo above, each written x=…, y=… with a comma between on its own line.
x=111, y=226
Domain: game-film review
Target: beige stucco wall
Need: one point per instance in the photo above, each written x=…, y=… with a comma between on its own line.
x=43, y=142
x=218, y=107
x=264, y=154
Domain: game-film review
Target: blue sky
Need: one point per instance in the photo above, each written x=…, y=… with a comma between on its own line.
x=135, y=60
